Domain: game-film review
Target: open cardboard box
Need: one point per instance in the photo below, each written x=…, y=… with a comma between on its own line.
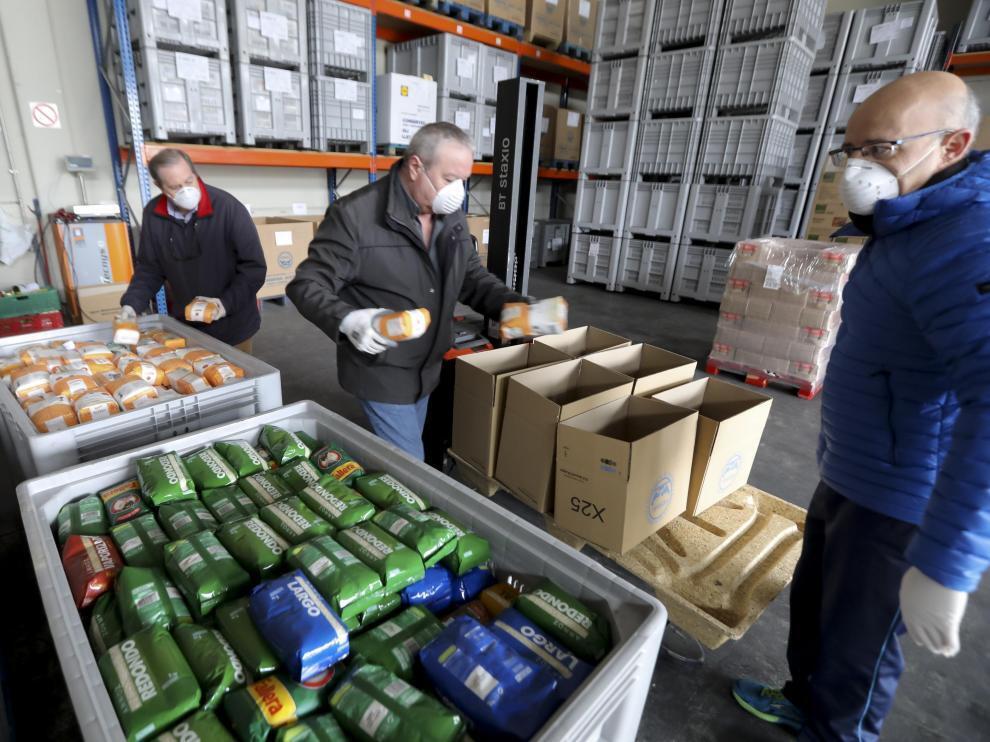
x=535, y=402
x=730, y=426
x=623, y=470
x=583, y=341
x=480, y=382
x=654, y=369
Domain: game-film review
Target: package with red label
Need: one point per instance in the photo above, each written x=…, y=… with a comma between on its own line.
x=91, y=564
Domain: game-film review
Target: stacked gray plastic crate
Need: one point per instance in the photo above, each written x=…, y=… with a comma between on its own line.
x=182, y=61
x=272, y=81
x=341, y=64
x=975, y=34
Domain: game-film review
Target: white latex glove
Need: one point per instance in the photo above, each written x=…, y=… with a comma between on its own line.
x=358, y=328
x=125, y=335
x=932, y=612
x=127, y=314
x=220, y=310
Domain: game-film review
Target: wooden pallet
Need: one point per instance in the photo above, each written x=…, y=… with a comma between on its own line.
x=761, y=379
x=578, y=52
x=502, y=26
x=473, y=477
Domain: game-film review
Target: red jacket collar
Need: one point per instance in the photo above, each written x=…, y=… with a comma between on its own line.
x=205, y=207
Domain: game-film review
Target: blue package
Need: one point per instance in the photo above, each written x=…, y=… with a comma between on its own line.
x=505, y=694
x=434, y=592
x=468, y=586
x=533, y=642
x=299, y=624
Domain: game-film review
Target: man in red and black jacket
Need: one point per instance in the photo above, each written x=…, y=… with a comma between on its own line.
x=201, y=243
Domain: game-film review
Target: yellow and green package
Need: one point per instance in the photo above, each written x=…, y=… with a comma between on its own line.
x=229, y=504
x=397, y=564
x=164, y=478
x=340, y=505
x=264, y=488
x=471, y=550
x=146, y=597
x=255, y=546
x=272, y=702
x=293, y=521
x=203, y=726
x=242, y=456
x=498, y=598
x=123, y=501
x=210, y=662
x=374, y=613
x=431, y=540
x=299, y=474
x=283, y=445
x=240, y=632
x=209, y=469
x=349, y=585
x=150, y=683
x=183, y=519
x=140, y=541
x=374, y=705
x=386, y=492
x=337, y=464
x=206, y=573
x=323, y=728
x=566, y=618
x=394, y=644
x=83, y=517
x=105, y=628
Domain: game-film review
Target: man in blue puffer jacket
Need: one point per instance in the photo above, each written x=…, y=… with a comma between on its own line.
x=898, y=532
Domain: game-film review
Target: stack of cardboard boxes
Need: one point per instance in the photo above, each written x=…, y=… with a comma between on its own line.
x=828, y=213
x=780, y=312
x=560, y=134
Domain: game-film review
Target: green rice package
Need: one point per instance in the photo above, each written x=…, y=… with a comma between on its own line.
x=340, y=505
x=428, y=538
x=255, y=546
x=283, y=445
x=210, y=662
x=386, y=492
x=146, y=597
x=566, y=618
x=311, y=443
x=105, y=628
x=123, y=502
x=140, y=541
x=164, y=479
x=471, y=550
x=203, y=726
x=209, y=469
x=150, y=683
x=183, y=519
x=229, y=504
x=267, y=457
x=299, y=474
x=394, y=644
x=337, y=464
x=242, y=456
x=374, y=613
x=83, y=517
x=236, y=626
x=273, y=702
x=397, y=564
x=373, y=704
x=206, y=573
x=348, y=584
x=322, y=728
x=264, y=488
x=294, y=521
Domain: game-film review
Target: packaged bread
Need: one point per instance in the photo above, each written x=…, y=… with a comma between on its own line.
x=188, y=383
x=145, y=370
x=40, y=354
x=51, y=414
x=30, y=381
x=201, y=364
x=72, y=358
x=168, y=339
x=8, y=365
x=95, y=405
x=130, y=390
x=144, y=349
x=220, y=373
x=28, y=401
x=126, y=332
x=94, y=351
x=200, y=310
x=72, y=385
x=159, y=353
x=100, y=365
x=399, y=326
x=194, y=354
x=173, y=365
x=106, y=377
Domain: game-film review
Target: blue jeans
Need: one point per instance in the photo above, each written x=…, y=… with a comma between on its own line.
x=399, y=424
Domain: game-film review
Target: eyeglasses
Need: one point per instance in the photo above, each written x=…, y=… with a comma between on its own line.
x=877, y=150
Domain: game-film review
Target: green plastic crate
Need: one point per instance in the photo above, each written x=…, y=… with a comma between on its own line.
x=33, y=302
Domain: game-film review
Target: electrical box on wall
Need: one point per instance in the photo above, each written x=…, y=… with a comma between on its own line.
x=91, y=253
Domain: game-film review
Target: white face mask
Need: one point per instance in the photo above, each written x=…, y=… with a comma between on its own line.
x=865, y=182
x=449, y=198
x=186, y=197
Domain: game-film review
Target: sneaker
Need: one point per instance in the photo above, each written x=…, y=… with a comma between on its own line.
x=768, y=704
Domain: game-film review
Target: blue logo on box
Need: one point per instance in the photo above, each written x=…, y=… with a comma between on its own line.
x=663, y=493
x=285, y=259
x=730, y=472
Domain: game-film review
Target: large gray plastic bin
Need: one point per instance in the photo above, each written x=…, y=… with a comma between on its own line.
x=747, y=19
x=726, y=213
x=889, y=35
x=683, y=23
x=455, y=63
x=591, y=258
x=852, y=88
x=646, y=265
x=340, y=39
x=599, y=204
x=272, y=105
x=667, y=146
x=656, y=209
x=975, y=35
x=269, y=32
x=702, y=272
x=616, y=87
x=835, y=35
x=156, y=24
x=746, y=146
x=678, y=81
x=606, y=147
x=623, y=27
x=341, y=113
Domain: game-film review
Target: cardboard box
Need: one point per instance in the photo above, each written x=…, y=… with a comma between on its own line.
x=548, y=128
x=315, y=219
x=285, y=242
x=623, y=470
x=580, y=19
x=567, y=135
x=545, y=20
x=405, y=103
x=513, y=11
x=654, y=369
x=730, y=426
x=536, y=401
x=480, y=383
x=478, y=227
x=583, y=341
x=100, y=303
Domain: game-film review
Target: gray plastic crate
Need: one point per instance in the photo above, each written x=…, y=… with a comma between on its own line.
x=340, y=39
x=899, y=34
x=608, y=705
x=724, y=213
x=678, y=81
x=615, y=87
x=272, y=105
x=746, y=147
x=341, y=114
x=818, y=101
x=551, y=241
x=646, y=265
x=766, y=77
x=461, y=113
x=803, y=156
x=605, y=150
x=496, y=65
x=599, y=204
x=938, y=52
x=199, y=27
x=452, y=61
x=656, y=209
x=975, y=35
x=591, y=258
x=269, y=32
x=787, y=221
x=702, y=272
x=747, y=19
x=852, y=88
x=682, y=23
x=623, y=27
x=835, y=35
x=484, y=141
x=667, y=146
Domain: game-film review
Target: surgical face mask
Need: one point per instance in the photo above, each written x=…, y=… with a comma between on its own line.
x=186, y=197
x=449, y=198
x=865, y=182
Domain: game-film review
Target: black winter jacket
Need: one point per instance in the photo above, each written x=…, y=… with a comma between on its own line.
x=369, y=253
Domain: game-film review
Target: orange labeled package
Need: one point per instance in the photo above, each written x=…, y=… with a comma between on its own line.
x=171, y=365
x=97, y=405
x=199, y=310
x=200, y=366
x=188, y=383
x=126, y=332
x=51, y=414
x=72, y=385
x=220, y=373
x=130, y=390
x=30, y=381
x=100, y=366
x=399, y=326
x=168, y=339
x=94, y=351
x=145, y=370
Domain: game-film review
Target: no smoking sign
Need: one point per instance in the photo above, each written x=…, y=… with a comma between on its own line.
x=45, y=115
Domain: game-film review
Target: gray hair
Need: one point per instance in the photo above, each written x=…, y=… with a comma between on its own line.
x=425, y=141
x=972, y=114
x=166, y=157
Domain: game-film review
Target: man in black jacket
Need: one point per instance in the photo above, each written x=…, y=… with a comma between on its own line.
x=399, y=243
x=201, y=243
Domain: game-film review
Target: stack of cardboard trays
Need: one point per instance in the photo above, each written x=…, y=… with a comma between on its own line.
x=779, y=315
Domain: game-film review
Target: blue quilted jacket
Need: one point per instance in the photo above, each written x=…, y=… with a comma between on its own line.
x=906, y=400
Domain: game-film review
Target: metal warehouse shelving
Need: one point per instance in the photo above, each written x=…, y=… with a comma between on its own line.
x=975, y=34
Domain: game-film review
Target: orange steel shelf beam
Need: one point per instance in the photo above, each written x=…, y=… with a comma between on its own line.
x=970, y=64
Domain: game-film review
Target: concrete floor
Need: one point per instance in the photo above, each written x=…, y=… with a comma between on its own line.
x=939, y=699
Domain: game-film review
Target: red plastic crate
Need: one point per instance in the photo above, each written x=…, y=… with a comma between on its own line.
x=30, y=323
